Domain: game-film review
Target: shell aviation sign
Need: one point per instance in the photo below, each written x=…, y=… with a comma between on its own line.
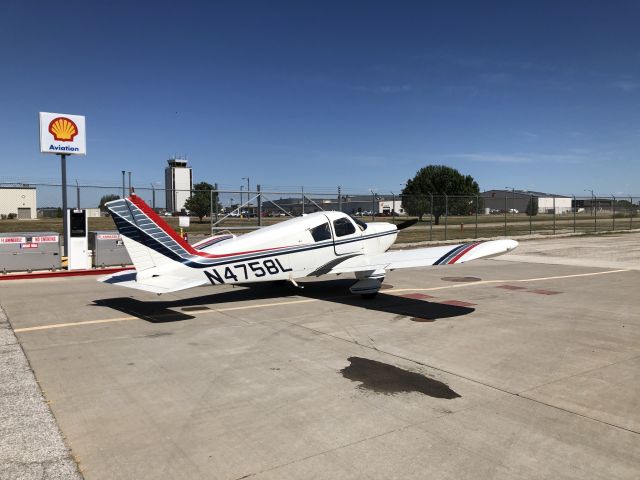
x=62, y=134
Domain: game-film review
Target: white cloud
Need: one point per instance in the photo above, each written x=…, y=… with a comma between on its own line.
x=383, y=88
x=626, y=85
x=492, y=157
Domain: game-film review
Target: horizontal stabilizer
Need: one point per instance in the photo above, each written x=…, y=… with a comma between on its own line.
x=159, y=284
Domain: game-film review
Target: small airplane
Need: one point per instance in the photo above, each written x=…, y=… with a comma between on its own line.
x=312, y=245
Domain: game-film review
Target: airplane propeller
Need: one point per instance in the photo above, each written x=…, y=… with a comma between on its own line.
x=408, y=223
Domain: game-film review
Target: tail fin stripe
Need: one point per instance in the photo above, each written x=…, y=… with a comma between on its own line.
x=137, y=221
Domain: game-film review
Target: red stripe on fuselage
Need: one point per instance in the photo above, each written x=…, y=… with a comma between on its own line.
x=148, y=211
x=457, y=257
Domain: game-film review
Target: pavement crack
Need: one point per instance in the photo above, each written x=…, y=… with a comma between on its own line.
x=329, y=450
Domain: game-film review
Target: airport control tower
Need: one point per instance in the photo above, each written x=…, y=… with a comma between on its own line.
x=178, y=183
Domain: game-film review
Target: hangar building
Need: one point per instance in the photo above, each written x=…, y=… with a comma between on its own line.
x=19, y=200
x=519, y=200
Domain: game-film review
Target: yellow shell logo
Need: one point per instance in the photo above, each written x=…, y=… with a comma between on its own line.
x=63, y=129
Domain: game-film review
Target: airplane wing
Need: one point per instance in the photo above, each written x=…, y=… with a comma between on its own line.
x=421, y=257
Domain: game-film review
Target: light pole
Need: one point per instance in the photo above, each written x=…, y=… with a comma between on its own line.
x=593, y=209
x=513, y=198
x=592, y=197
x=129, y=183
x=123, y=172
x=248, y=193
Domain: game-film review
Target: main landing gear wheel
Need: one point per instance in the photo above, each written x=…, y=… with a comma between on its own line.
x=368, y=283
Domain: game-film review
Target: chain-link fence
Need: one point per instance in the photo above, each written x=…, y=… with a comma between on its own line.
x=38, y=207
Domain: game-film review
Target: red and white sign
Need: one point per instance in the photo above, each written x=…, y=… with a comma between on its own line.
x=29, y=245
x=108, y=236
x=46, y=239
x=13, y=239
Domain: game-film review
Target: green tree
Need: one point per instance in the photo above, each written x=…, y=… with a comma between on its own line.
x=199, y=202
x=446, y=187
x=532, y=207
x=107, y=198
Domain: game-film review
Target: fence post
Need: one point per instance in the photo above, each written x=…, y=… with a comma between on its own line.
x=554, y=215
x=575, y=208
x=215, y=186
x=373, y=202
x=477, y=207
x=631, y=213
x=431, y=220
x=302, y=190
x=613, y=217
x=259, y=201
x=393, y=207
x=211, y=210
x=595, y=215
x=505, y=214
x=446, y=214
x=339, y=199
x=530, y=214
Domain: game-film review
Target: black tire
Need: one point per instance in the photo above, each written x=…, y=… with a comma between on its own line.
x=369, y=296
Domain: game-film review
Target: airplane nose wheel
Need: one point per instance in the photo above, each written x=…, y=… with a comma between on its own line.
x=368, y=284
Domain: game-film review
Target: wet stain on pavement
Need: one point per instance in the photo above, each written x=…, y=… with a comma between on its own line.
x=389, y=380
x=158, y=334
x=461, y=279
x=422, y=320
x=195, y=308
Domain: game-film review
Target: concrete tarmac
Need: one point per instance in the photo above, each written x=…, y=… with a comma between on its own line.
x=502, y=368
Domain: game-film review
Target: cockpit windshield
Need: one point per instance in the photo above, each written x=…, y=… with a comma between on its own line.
x=360, y=223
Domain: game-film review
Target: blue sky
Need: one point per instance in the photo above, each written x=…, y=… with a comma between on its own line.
x=538, y=95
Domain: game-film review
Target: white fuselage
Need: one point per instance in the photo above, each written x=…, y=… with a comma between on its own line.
x=300, y=247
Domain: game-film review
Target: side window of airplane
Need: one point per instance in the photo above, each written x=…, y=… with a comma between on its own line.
x=321, y=232
x=343, y=226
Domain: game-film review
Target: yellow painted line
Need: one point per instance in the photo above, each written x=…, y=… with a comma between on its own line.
x=74, y=324
x=310, y=300
x=124, y=319
x=486, y=282
x=249, y=307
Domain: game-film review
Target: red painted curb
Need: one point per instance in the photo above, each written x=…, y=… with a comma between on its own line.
x=63, y=273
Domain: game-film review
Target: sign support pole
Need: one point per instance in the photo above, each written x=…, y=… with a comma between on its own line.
x=65, y=227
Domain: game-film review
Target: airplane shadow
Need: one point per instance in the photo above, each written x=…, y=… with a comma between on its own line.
x=336, y=291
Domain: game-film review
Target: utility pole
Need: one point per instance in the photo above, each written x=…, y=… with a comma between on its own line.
x=129, y=183
x=123, y=195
